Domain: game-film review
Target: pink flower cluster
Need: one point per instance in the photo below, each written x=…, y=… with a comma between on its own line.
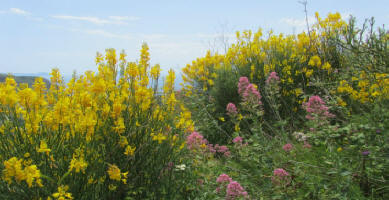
x=307, y=145
x=287, y=147
x=195, y=140
x=219, y=149
x=231, y=109
x=242, y=84
x=252, y=95
x=317, y=109
x=280, y=177
x=233, y=190
x=248, y=91
x=223, y=178
x=238, y=140
x=272, y=78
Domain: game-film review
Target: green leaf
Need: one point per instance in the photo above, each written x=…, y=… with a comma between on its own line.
x=346, y=173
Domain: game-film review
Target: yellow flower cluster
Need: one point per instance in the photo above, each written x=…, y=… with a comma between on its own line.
x=331, y=24
x=61, y=194
x=202, y=70
x=78, y=164
x=129, y=151
x=43, y=148
x=115, y=174
x=367, y=87
x=159, y=137
x=315, y=61
x=14, y=169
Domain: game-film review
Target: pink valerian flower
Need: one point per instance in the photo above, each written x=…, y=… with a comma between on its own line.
x=211, y=148
x=316, y=109
x=252, y=95
x=242, y=84
x=280, y=172
x=307, y=145
x=231, y=109
x=219, y=149
x=238, y=140
x=235, y=190
x=223, y=178
x=195, y=140
x=222, y=149
x=365, y=153
x=280, y=177
x=272, y=78
x=248, y=91
x=287, y=147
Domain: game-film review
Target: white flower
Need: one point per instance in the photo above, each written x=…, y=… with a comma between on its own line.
x=180, y=167
x=300, y=136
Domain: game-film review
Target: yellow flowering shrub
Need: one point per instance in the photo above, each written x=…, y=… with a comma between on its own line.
x=69, y=133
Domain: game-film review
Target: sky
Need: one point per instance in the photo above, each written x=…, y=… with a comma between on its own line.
x=38, y=35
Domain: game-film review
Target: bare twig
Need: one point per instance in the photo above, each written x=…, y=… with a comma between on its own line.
x=304, y=3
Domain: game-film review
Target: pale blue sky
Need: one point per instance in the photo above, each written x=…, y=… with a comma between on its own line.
x=37, y=35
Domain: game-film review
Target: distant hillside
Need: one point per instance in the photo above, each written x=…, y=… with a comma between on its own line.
x=30, y=78
x=24, y=79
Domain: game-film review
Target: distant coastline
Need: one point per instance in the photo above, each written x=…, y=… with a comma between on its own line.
x=24, y=78
x=29, y=78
